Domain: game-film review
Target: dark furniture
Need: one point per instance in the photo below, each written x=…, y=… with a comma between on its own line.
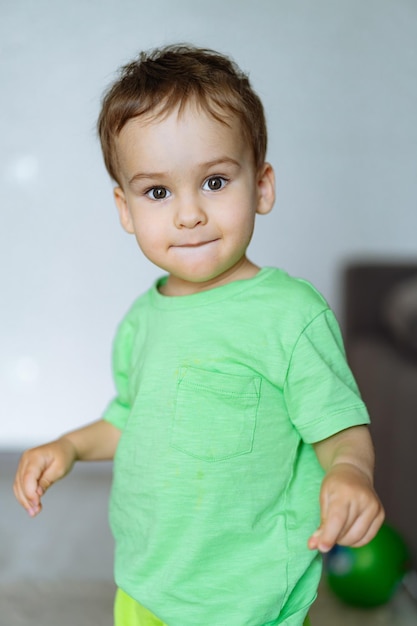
x=380, y=329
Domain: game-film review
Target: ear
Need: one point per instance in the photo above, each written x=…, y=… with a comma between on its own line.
x=266, y=189
x=123, y=209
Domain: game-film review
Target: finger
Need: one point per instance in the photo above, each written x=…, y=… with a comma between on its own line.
x=332, y=528
x=17, y=485
x=31, y=504
x=334, y=518
x=315, y=540
x=45, y=481
x=27, y=483
x=48, y=477
x=30, y=485
x=32, y=478
x=363, y=530
x=20, y=497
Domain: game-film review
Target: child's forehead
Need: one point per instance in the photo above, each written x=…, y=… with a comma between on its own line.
x=182, y=111
x=190, y=120
x=180, y=140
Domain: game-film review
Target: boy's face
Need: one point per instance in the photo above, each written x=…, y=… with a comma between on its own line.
x=189, y=192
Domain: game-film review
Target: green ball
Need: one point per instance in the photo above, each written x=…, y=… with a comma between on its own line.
x=368, y=576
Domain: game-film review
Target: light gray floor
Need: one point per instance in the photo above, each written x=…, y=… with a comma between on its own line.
x=56, y=570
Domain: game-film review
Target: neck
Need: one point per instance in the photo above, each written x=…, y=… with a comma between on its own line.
x=176, y=286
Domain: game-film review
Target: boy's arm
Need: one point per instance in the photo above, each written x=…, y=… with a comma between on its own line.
x=41, y=467
x=351, y=512
x=94, y=442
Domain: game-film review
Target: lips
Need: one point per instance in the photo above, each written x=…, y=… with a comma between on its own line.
x=197, y=244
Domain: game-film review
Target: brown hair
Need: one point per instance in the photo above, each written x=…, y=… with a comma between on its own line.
x=168, y=77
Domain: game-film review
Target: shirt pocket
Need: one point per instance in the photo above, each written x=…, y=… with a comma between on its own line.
x=215, y=414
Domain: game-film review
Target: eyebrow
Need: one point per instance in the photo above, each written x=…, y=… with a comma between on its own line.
x=147, y=175
x=220, y=161
x=208, y=164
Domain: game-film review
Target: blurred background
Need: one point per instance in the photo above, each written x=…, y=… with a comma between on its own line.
x=339, y=85
x=338, y=79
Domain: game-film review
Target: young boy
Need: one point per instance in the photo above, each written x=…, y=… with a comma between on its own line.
x=239, y=438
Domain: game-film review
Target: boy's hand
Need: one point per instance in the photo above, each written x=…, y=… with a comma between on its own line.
x=39, y=468
x=351, y=512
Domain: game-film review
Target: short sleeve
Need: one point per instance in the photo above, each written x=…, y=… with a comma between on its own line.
x=320, y=391
x=118, y=410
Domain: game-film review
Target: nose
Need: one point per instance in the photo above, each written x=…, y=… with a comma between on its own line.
x=190, y=212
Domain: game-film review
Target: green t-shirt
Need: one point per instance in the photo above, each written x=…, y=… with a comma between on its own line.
x=216, y=485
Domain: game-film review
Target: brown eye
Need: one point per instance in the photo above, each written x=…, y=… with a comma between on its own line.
x=215, y=183
x=158, y=193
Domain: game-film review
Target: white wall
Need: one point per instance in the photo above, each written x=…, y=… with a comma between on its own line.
x=339, y=82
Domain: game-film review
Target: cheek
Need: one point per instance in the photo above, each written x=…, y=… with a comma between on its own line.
x=240, y=222
x=149, y=233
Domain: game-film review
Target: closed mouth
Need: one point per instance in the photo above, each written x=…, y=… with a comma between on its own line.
x=197, y=244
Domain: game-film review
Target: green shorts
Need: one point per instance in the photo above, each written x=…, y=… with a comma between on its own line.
x=128, y=612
